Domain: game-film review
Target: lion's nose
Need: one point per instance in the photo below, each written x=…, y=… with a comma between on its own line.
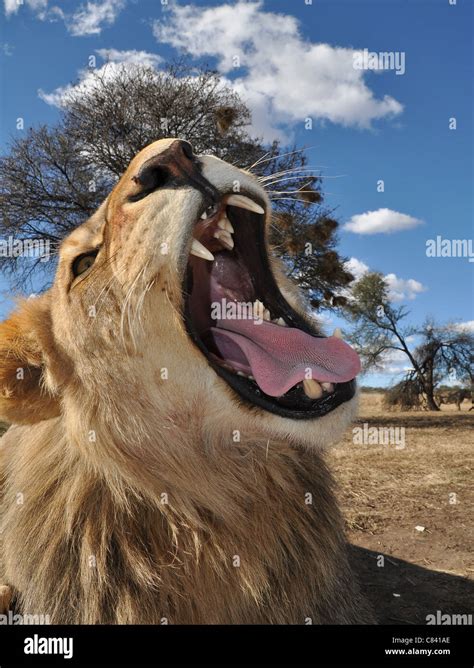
x=176, y=167
x=175, y=162
x=178, y=154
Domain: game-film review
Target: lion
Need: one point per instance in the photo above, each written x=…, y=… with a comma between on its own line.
x=163, y=466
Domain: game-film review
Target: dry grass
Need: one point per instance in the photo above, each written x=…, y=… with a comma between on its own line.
x=386, y=492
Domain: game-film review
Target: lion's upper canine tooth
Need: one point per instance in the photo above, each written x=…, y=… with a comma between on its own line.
x=225, y=224
x=244, y=203
x=225, y=238
x=199, y=250
x=337, y=333
x=312, y=389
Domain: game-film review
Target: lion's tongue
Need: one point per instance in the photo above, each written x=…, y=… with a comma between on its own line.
x=280, y=357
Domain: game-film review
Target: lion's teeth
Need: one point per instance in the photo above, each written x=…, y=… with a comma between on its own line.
x=244, y=203
x=225, y=224
x=244, y=375
x=204, y=216
x=225, y=238
x=337, y=333
x=327, y=387
x=199, y=250
x=312, y=389
x=258, y=309
x=280, y=321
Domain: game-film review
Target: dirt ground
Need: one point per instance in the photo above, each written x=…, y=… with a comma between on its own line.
x=413, y=503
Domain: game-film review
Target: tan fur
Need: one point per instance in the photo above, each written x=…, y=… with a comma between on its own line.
x=5, y=598
x=126, y=497
x=23, y=348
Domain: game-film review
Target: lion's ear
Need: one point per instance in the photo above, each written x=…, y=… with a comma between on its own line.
x=26, y=343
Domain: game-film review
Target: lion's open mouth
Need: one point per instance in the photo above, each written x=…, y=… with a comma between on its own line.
x=248, y=332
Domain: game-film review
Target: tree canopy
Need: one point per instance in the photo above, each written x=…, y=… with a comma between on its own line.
x=54, y=177
x=433, y=351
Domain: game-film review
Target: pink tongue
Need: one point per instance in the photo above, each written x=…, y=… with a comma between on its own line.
x=280, y=357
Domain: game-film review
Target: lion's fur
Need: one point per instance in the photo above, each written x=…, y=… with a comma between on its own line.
x=133, y=496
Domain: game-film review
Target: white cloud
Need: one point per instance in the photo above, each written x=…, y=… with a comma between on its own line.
x=12, y=6
x=356, y=267
x=88, y=19
x=281, y=76
x=130, y=57
x=117, y=60
x=467, y=327
x=6, y=49
x=57, y=97
x=399, y=289
x=381, y=221
x=91, y=17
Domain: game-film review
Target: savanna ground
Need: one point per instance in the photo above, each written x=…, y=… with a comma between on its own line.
x=387, y=491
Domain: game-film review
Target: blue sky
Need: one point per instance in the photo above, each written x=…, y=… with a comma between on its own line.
x=366, y=125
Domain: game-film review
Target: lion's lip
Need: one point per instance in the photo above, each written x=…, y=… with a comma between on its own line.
x=228, y=261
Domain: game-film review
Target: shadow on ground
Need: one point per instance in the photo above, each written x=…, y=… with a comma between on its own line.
x=421, y=420
x=421, y=591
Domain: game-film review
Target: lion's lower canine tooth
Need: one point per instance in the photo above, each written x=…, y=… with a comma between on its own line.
x=312, y=389
x=199, y=250
x=337, y=333
x=225, y=224
x=244, y=203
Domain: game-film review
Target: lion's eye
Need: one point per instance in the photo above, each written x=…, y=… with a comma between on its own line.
x=83, y=263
